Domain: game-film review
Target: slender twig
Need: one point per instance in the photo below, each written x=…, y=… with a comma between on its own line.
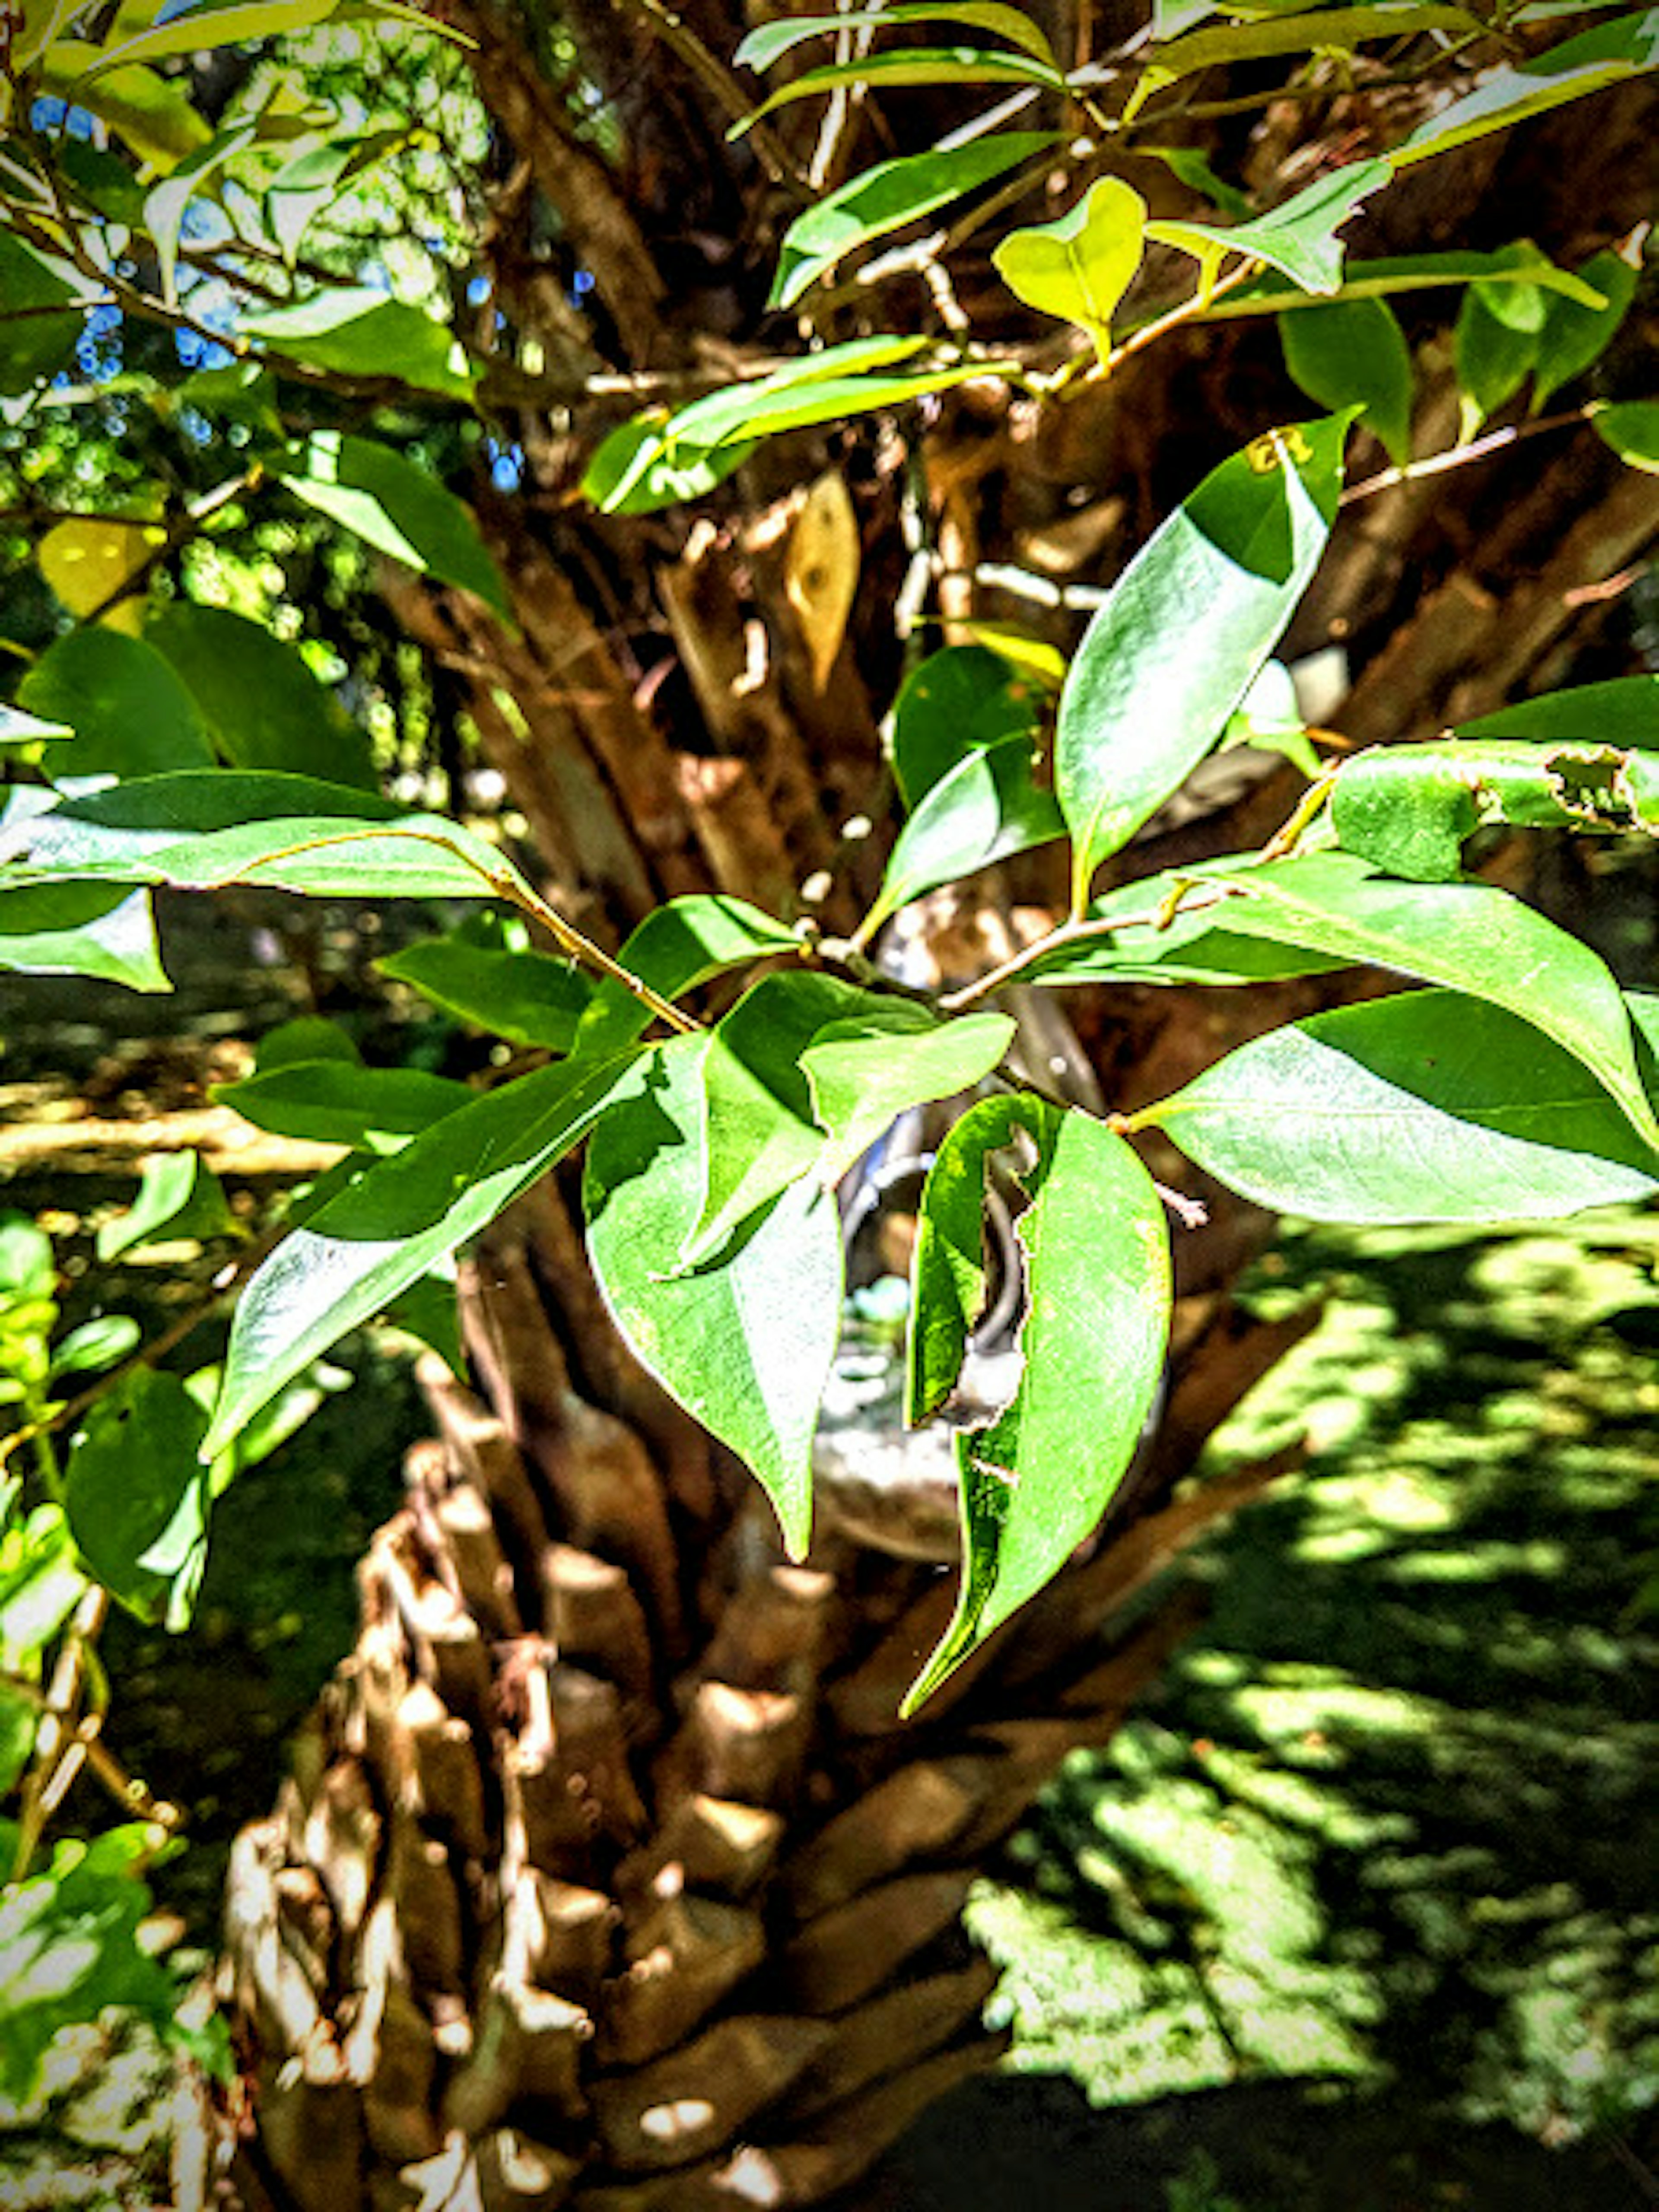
x=1077, y=932
x=1478, y=449
x=677, y=34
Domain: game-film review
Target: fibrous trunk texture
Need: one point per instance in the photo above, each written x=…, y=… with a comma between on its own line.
x=605, y=1875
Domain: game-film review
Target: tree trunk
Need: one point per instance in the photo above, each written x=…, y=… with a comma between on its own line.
x=605, y=1874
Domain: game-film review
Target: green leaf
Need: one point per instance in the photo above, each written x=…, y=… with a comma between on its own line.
x=198, y=831
x=989, y=806
x=744, y=1344
x=41, y=1585
x=1631, y=428
x=1273, y=295
x=1080, y=267
x=34, y=343
x=769, y=42
x=1497, y=341
x=1574, y=337
x=98, y=930
x=1426, y=1107
x=528, y=998
x=152, y=113
x=261, y=705
x=316, y=174
x=1469, y=937
x=28, y=1272
x=310, y=1036
x=1410, y=808
x=356, y=331
x=806, y=1072
x=96, y=1345
x=178, y=1198
x=685, y=943
x=399, y=509
x=165, y=203
x=1319, y=31
x=1193, y=167
x=1353, y=353
x=1298, y=238
x=636, y=470
x=1623, y=711
x=911, y=65
x=886, y=198
x=137, y=1495
x=193, y=30
x=397, y=1220
x=1037, y=1479
x=1627, y=46
x=1149, y=694
x=335, y=1102
x=959, y=700
x=69, y=1948
x=131, y=714
x=427, y=1311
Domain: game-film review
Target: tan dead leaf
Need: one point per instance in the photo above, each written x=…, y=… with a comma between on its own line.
x=821, y=570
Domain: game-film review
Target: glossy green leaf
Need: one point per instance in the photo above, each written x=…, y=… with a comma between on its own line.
x=396, y=507
x=315, y=174
x=769, y=407
x=427, y=1311
x=958, y=701
x=1318, y=31
x=1470, y=936
x=1574, y=337
x=744, y=1343
x=137, y=1495
x=1298, y=238
x=18, y=728
x=130, y=712
x=806, y=1072
x=989, y=806
x=685, y=943
x=1037, y=1479
x=1185, y=632
x=1623, y=711
x=1192, y=165
x=165, y=203
x=886, y=198
x=528, y=998
x=1630, y=427
x=637, y=469
x=1627, y=46
x=100, y=930
x=261, y=705
x=1497, y=340
x=178, y=1198
x=97, y=1345
x=1353, y=353
x=769, y=42
x=1426, y=1107
x=358, y=332
x=1410, y=808
x=910, y=66
x=194, y=30
x=397, y=1219
x=152, y=113
x=1274, y=295
x=309, y=1036
x=41, y=1585
x=198, y=831
x=335, y=1102
x=1080, y=267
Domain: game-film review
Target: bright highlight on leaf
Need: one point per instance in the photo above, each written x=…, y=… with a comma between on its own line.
x=1080, y=267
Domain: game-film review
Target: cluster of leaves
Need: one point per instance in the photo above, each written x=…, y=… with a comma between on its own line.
x=205, y=754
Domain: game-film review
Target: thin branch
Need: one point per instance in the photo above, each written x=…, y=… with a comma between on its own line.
x=677, y=34
x=1478, y=449
x=1077, y=933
